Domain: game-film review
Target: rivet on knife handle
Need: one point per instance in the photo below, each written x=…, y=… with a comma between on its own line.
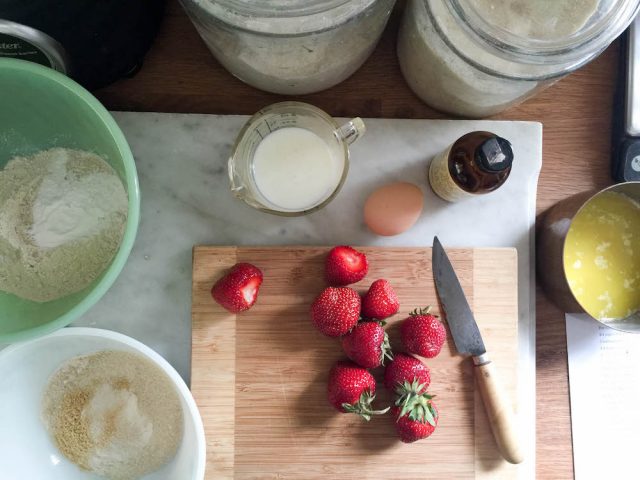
x=499, y=411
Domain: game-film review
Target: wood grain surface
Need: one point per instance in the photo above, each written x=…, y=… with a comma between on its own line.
x=180, y=75
x=260, y=377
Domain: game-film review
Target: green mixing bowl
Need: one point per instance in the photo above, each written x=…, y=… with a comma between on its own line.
x=40, y=109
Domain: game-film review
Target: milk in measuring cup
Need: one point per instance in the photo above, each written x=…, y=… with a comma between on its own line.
x=294, y=169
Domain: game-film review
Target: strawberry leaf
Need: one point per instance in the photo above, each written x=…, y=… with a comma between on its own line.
x=363, y=406
x=385, y=349
x=422, y=311
x=417, y=406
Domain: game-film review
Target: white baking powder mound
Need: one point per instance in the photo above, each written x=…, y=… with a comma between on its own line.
x=62, y=216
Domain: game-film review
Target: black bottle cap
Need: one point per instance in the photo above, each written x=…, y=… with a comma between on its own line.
x=494, y=155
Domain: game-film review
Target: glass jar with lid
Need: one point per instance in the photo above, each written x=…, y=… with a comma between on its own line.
x=475, y=58
x=290, y=46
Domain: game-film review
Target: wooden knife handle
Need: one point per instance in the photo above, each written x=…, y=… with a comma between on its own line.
x=499, y=410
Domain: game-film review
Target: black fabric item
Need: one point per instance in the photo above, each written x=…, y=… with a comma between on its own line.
x=105, y=39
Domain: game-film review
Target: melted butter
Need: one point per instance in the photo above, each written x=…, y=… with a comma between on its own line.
x=602, y=256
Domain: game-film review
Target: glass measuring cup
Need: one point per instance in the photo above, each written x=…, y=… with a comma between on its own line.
x=304, y=189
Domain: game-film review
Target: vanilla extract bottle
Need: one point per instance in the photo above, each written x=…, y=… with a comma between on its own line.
x=475, y=164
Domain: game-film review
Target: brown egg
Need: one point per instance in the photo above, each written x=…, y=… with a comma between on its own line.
x=393, y=208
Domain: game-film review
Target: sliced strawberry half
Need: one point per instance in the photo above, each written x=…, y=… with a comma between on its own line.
x=345, y=265
x=238, y=290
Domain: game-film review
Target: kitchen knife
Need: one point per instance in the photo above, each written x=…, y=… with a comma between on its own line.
x=468, y=341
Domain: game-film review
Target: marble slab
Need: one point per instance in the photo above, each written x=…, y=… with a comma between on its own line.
x=182, y=167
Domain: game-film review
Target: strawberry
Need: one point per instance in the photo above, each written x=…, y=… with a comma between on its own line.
x=416, y=421
x=345, y=265
x=352, y=389
x=367, y=344
x=237, y=291
x=406, y=369
x=380, y=301
x=422, y=333
x=336, y=311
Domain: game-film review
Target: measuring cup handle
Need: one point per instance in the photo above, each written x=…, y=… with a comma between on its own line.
x=351, y=131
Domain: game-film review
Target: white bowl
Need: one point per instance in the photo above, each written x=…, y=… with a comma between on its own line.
x=26, y=451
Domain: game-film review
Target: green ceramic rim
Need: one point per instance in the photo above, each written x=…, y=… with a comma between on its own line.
x=133, y=192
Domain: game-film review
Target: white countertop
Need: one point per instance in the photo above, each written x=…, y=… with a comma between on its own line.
x=182, y=167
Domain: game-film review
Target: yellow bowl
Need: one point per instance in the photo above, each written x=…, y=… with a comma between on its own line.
x=571, y=280
x=601, y=256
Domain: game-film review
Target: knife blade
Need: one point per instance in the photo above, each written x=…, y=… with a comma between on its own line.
x=468, y=341
x=463, y=326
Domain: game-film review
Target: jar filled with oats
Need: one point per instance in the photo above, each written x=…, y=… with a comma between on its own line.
x=475, y=58
x=290, y=46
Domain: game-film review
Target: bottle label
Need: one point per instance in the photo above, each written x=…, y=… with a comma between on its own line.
x=440, y=179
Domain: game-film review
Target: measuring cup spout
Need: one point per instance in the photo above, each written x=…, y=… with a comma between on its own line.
x=351, y=131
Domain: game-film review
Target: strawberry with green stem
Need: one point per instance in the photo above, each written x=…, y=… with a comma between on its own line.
x=352, y=389
x=406, y=369
x=422, y=333
x=416, y=417
x=367, y=344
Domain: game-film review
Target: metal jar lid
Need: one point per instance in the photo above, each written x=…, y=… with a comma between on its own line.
x=27, y=43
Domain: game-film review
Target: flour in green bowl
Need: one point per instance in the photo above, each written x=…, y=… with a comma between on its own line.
x=62, y=217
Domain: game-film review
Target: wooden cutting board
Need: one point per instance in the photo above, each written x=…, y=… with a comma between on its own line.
x=259, y=378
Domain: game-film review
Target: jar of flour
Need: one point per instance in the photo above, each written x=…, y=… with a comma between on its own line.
x=474, y=58
x=290, y=46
